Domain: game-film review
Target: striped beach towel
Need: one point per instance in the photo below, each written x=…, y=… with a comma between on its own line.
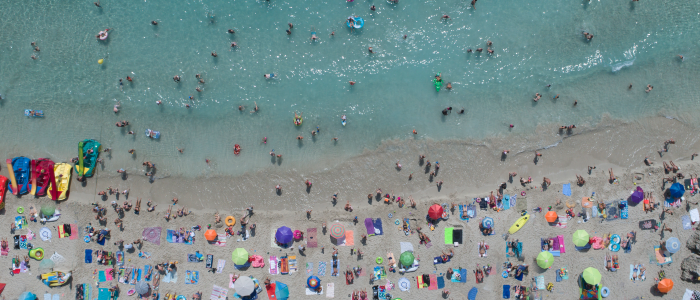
x=321, y=268
x=562, y=221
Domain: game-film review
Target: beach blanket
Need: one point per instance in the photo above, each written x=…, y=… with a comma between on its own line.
x=230, y=281
x=484, y=204
x=292, y=264
x=648, y=224
x=685, y=220
x=566, y=189
x=457, y=236
x=311, y=239
x=221, y=264
x=220, y=240
x=218, y=293
x=147, y=277
x=506, y=202
x=406, y=246
x=562, y=248
x=448, y=235
x=349, y=238
x=506, y=291
x=322, y=268
x=273, y=265
x=309, y=292
x=513, y=201
x=624, y=210
x=419, y=281
x=694, y=215
x=271, y=291
x=661, y=259
x=586, y=203
x=88, y=256
x=461, y=213
x=517, y=252
x=108, y=274
x=101, y=276
x=540, y=282
x=612, y=210
x=309, y=268
x=440, y=282
x=192, y=277
x=152, y=234
x=379, y=272
x=378, y=227
x=174, y=237
x=369, y=225
x=104, y=294
x=330, y=290
x=563, y=220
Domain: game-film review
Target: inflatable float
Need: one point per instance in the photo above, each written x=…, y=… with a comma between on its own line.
x=343, y=120
x=19, y=175
x=152, y=134
x=42, y=172
x=36, y=253
x=298, y=120
x=88, y=150
x=34, y=113
x=60, y=184
x=103, y=34
x=237, y=149
x=518, y=224
x=3, y=190
x=55, y=278
x=355, y=22
x=437, y=82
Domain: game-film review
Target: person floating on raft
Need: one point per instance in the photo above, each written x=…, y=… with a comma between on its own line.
x=103, y=34
x=236, y=149
x=298, y=119
x=437, y=82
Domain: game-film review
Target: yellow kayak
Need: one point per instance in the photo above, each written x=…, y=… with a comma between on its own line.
x=518, y=224
x=62, y=174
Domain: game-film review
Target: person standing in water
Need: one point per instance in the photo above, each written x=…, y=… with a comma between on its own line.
x=313, y=35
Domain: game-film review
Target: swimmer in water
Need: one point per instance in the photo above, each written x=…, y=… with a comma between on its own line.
x=154, y=22
x=176, y=78
x=116, y=107
x=159, y=102
x=461, y=111
x=234, y=44
x=372, y=8
x=231, y=31
x=214, y=54
x=351, y=82
x=313, y=35
x=265, y=140
x=370, y=50
x=289, y=32
x=681, y=56
x=129, y=78
x=449, y=85
x=290, y=25
x=97, y=4
x=269, y=76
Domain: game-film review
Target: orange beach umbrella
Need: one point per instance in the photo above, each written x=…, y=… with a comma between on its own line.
x=665, y=285
x=210, y=235
x=551, y=217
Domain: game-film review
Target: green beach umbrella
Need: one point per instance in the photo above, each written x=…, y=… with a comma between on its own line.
x=581, y=238
x=239, y=256
x=591, y=276
x=48, y=210
x=407, y=258
x=545, y=259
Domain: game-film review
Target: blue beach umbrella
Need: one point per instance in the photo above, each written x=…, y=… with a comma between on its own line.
x=676, y=190
x=673, y=245
x=281, y=291
x=313, y=282
x=487, y=222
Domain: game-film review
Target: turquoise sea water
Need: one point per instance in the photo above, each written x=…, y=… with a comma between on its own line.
x=534, y=44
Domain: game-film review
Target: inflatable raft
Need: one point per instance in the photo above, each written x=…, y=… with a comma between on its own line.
x=355, y=22
x=42, y=172
x=88, y=150
x=33, y=113
x=55, y=278
x=19, y=175
x=152, y=134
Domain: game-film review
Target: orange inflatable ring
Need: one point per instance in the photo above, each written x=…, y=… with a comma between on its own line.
x=230, y=221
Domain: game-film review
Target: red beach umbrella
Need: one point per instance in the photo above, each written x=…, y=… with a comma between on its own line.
x=435, y=212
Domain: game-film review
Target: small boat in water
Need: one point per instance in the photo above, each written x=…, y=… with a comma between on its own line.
x=152, y=134
x=19, y=175
x=355, y=22
x=42, y=171
x=88, y=150
x=60, y=185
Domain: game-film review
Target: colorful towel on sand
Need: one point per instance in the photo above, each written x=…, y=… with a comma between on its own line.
x=273, y=265
x=220, y=265
x=566, y=189
x=270, y=288
x=562, y=221
x=506, y=202
x=230, y=281
x=321, y=268
x=330, y=290
x=513, y=201
x=152, y=234
x=378, y=227
x=74, y=231
x=309, y=268
x=292, y=264
x=349, y=238
x=175, y=237
x=221, y=240
x=192, y=277
x=104, y=294
x=108, y=274
x=218, y=293
x=311, y=239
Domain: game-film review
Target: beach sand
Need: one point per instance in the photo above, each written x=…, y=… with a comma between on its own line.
x=468, y=170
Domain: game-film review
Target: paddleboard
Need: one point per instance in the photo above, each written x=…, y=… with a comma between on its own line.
x=518, y=224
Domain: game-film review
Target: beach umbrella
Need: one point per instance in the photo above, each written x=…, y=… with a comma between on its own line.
x=239, y=256
x=404, y=284
x=435, y=212
x=407, y=258
x=297, y=234
x=637, y=196
x=545, y=259
x=142, y=287
x=210, y=235
x=281, y=291
x=676, y=190
x=591, y=276
x=337, y=230
x=283, y=235
x=487, y=222
x=581, y=238
x=673, y=245
x=245, y=286
x=48, y=210
x=313, y=282
x=551, y=216
x=27, y=296
x=665, y=285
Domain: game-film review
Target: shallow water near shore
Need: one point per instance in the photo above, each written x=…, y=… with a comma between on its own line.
x=534, y=45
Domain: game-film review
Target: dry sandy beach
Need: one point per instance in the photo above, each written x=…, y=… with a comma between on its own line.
x=469, y=173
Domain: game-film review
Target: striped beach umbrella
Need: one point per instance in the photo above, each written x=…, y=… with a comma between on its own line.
x=313, y=282
x=337, y=231
x=487, y=222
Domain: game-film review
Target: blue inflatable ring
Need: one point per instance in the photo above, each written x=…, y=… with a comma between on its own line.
x=86, y=239
x=397, y=222
x=605, y=292
x=614, y=247
x=390, y=215
x=504, y=274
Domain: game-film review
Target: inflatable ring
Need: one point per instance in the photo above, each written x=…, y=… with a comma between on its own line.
x=614, y=247
x=615, y=239
x=230, y=221
x=131, y=292
x=504, y=274
x=20, y=210
x=397, y=222
x=86, y=239
x=605, y=292
x=522, y=193
x=37, y=253
x=390, y=215
x=379, y=260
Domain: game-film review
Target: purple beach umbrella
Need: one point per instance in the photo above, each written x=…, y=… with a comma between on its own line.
x=637, y=196
x=284, y=235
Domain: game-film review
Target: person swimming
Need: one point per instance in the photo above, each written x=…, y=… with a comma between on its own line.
x=313, y=34
x=269, y=76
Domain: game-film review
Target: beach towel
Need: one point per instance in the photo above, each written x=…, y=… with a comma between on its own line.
x=221, y=264
x=463, y=276
x=152, y=234
x=558, y=276
x=685, y=220
x=378, y=227
x=322, y=268
x=101, y=276
x=513, y=201
x=456, y=275
x=522, y=274
x=439, y=260
x=210, y=261
x=471, y=211
x=562, y=221
x=192, y=258
x=147, y=277
x=88, y=256
x=292, y=264
x=540, y=282
x=613, y=210
x=562, y=249
x=566, y=189
x=309, y=292
x=311, y=239
x=448, y=235
x=349, y=238
x=119, y=258
x=694, y=216
x=506, y=291
x=586, y=203
x=648, y=224
x=433, y=282
x=461, y=213
x=661, y=259
x=440, y=282
x=330, y=290
x=472, y=293
x=271, y=291
x=506, y=202
x=108, y=274
x=632, y=272
x=382, y=292
x=87, y=293
x=273, y=265
x=309, y=268
x=74, y=231
x=192, y=277
x=517, y=252
x=218, y=293
x=220, y=240
x=104, y=294
x=419, y=281
x=457, y=236
x=369, y=226
x=174, y=237
x=231, y=285
x=170, y=276
x=624, y=211
x=406, y=246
